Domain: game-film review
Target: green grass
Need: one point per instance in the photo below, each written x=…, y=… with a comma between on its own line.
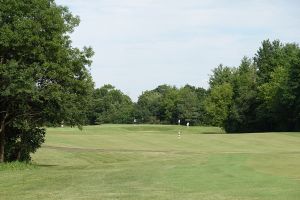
x=151, y=162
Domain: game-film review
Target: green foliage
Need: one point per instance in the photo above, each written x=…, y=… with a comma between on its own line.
x=268, y=58
x=110, y=106
x=148, y=107
x=22, y=141
x=167, y=105
x=190, y=106
x=265, y=91
x=43, y=79
x=241, y=117
x=221, y=75
x=217, y=104
x=294, y=88
x=276, y=109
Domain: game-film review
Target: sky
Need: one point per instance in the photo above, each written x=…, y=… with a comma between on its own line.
x=140, y=44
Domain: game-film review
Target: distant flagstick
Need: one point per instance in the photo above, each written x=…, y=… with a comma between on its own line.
x=179, y=133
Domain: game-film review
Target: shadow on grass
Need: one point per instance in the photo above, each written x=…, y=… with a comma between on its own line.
x=45, y=165
x=216, y=133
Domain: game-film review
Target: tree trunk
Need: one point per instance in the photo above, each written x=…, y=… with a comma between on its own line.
x=2, y=142
x=19, y=155
x=2, y=138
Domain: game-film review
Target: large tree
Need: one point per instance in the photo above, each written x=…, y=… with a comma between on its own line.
x=43, y=79
x=219, y=98
x=217, y=104
x=277, y=69
x=110, y=105
x=148, y=108
x=190, y=106
x=265, y=91
x=167, y=104
x=241, y=116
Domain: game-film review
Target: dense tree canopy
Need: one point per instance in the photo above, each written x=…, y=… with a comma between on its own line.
x=265, y=91
x=277, y=86
x=148, y=108
x=110, y=105
x=43, y=79
x=241, y=115
x=168, y=104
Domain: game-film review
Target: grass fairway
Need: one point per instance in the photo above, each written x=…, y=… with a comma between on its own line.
x=151, y=162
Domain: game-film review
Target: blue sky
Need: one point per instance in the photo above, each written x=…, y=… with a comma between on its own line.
x=140, y=44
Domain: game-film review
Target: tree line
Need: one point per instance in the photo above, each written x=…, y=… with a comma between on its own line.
x=261, y=94
x=162, y=105
x=45, y=81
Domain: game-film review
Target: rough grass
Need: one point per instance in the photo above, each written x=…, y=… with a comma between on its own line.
x=151, y=162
